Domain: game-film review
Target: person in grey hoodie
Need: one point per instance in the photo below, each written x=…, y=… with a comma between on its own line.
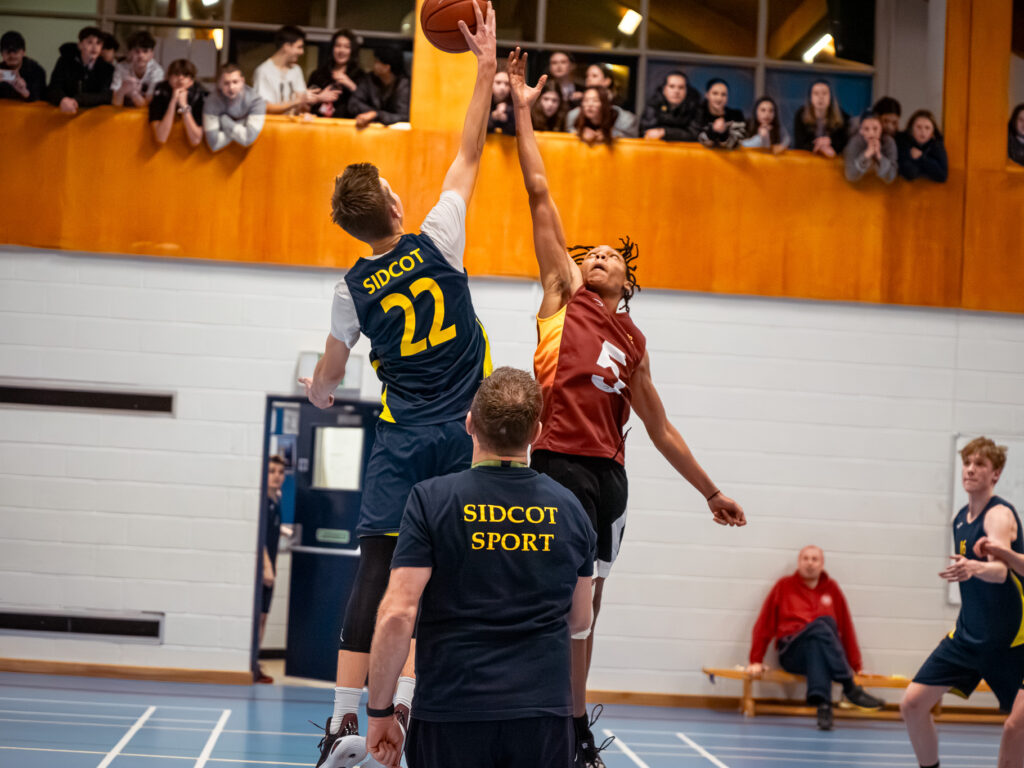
x=871, y=149
x=234, y=112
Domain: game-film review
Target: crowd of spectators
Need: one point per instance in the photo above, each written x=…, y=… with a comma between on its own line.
x=88, y=74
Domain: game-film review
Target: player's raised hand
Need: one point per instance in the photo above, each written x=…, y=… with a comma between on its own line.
x=483, y=42
x=985, y=547
x=521, y=92
x=726, y=511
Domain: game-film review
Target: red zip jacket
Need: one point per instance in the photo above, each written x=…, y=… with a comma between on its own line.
x=792, y=605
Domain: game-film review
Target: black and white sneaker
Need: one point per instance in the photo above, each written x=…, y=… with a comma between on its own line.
x=329, y=744
x=861, y=699
x=588, y=752
x=825, y=717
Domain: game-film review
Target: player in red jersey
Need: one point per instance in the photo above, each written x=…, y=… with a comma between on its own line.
x=593, y=366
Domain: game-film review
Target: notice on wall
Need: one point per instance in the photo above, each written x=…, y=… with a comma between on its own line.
x=338, y=458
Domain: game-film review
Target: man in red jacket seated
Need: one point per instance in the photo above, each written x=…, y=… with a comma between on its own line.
x=806, y=615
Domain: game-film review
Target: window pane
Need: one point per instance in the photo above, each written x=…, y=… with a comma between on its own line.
x=306, y=13
x=378, y=15
x=723, y=27
x=588, y=22
x=739, y=79
x=799, y=27
x=517, y=20
x=44, y=36
x=197, y=45
x=185, y=10
x=790, y=89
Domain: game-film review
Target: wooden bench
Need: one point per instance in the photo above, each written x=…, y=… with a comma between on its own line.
x=750, y=706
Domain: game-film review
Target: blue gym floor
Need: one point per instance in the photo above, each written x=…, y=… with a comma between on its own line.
x=69, y=722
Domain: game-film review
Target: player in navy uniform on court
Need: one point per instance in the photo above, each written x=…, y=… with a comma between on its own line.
x=502, y=559
x=592, y=364
x=988, y=640
x=410, y=297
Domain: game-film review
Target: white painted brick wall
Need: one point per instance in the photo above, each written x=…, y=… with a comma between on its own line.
x=832, y=423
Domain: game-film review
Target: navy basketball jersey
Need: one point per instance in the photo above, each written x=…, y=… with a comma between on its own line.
x=427, y=346
x=991, y=615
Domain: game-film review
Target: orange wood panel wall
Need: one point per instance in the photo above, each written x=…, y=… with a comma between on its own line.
x=993, y=276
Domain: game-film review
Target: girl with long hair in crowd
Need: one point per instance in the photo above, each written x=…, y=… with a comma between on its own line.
x=548, y=112
x=921, y=150
x=720, y=126
x=596, y=119
x=1015, y=138
x=671, y=113
x=624, y=123
x=340, y=73
x=764, y=129
x=821, y=126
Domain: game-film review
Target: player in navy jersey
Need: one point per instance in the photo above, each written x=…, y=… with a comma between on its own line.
x=593, y=365
x=410, y=297
x=988, y=640
x=499, y=560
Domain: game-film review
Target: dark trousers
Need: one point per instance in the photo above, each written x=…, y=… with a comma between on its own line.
x=817, y=653
x=544, y=742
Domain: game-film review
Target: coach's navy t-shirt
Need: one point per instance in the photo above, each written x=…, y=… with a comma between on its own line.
x=507, y=546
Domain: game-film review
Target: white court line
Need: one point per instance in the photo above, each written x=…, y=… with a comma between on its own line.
x=765, y=736
x=158, y=757
x=205, y=755
x=700, y=750
x=126, y=738
x=150, y=725
x=105, y=703
x=625, y=749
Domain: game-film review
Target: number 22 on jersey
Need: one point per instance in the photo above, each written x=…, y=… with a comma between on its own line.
x=438, y=333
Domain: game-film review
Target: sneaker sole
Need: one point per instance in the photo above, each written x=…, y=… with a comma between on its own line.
x=858, y=707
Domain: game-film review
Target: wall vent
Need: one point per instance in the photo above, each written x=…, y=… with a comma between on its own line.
x=50, y=397
x=139, y=626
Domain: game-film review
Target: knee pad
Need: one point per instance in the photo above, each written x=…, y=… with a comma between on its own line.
x=367, y=590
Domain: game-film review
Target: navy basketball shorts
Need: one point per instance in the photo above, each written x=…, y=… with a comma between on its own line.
x=602, y=488
x=960, y=667
x=547, y=742
x=402, y=456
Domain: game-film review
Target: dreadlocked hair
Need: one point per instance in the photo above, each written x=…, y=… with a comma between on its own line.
x=629, y=251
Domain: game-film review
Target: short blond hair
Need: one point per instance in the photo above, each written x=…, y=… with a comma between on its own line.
x=987, y=449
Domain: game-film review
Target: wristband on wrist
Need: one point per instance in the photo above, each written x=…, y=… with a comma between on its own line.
x=388, y=711
x=709, y=498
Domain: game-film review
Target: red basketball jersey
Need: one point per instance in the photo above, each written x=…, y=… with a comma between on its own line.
x=584, y=362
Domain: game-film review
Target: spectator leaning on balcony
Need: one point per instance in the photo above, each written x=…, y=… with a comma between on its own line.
x=233, y=112
x=1015, y=135
x=178, y=96
x=672, y=113
x=719, y=125
x=871, y=150
x=595, y=120
x=889, y=112
x=920, y=149
x=279, y=79
x=21, y=78
x=384, y=95
x=136, y=78
x=624, y=125
x=821, y=126
x=340, y=74
x=562, y=70
x=806, y=615
x=764, y=128
x=81, y=79
x=548, y=111
x=110, y=48
x=502, y=118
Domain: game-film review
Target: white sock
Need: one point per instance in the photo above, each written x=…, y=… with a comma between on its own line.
x=346, y=701
x=404, y=691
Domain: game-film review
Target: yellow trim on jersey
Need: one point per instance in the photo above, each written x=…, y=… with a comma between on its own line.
x=391, y=534
x=385, y=414
x=549, y=343
x=951, y=633
x=488, y=365
x=958, y=692
x=1019, y=639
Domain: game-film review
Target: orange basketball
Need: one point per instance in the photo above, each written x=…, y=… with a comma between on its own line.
x=440, y=22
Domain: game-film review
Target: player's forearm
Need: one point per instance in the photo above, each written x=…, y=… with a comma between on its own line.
x=391, y=638
x=474, y=129
x=326, y=377
x=993, y=572
x=1012, y=559
x=671, y=445
x=530, y=161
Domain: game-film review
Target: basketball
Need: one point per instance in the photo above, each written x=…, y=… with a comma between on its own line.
x=440, y=22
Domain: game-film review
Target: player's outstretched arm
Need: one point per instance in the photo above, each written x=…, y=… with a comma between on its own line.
x=461, y=175
x=328, y=374
x=396, y=618
x=559, y=276
x=648, y=406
